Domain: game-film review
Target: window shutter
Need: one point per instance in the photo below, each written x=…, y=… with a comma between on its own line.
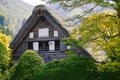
x=35, y=46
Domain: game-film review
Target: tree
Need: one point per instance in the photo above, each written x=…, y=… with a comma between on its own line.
x=100, y=32
x=5, y=40
x=110, y=71
x=28, y=66
x=5, y=51
x=5, y=55
x=72, y=68
x=4, y=62
x=115, y=4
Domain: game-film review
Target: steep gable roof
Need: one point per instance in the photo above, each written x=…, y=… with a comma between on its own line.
x=68, y=25
x=32, y=21
x=53, y=18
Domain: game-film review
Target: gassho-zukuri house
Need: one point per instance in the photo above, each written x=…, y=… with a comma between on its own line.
x=43, y=32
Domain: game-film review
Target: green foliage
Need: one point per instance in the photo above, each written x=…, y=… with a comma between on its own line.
x=73, y=68
x=100, y=32
x=110, y=71
x=115, y=4
x=5, y=40
x=5, y=30
x=10, y=71
x=28, y=66
x=14, y=13
x=3, y=57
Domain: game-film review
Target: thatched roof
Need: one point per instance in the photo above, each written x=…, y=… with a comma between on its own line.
x=53, y=18
x=68, y=25
x=33, y=20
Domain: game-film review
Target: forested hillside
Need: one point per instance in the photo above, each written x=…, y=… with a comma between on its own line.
x=13, y=14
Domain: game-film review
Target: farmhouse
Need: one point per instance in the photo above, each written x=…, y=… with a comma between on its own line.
x=43, y=32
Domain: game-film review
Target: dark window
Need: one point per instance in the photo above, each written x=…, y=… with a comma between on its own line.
x=30, y=45
x=46, y=45
x=42, y=18
x=57, y=45
x=43, y=46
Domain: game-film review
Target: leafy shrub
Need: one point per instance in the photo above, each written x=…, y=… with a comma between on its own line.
x=4, y=62
x=110, y=71
x=74, y=68
x=28, y=66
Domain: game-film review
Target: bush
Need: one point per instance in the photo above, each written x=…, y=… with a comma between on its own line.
x=74, y=68
x=110, y=71
x=28, y=66
x=4, y=62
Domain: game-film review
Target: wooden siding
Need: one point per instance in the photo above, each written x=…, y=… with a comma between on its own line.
x=41, y=25
x=42, y=18
x=53, y=55
x=35, y=22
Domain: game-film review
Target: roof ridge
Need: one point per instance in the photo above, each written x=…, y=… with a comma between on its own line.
x=66, y=24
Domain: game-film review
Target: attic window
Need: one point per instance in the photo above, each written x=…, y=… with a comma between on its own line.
x=31, y=35
x=42, y=18
x=43, y=32
x=55, y=33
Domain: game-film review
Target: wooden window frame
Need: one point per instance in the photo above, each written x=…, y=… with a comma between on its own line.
x=31, y=35
x=43, y=32
x=56, y=33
